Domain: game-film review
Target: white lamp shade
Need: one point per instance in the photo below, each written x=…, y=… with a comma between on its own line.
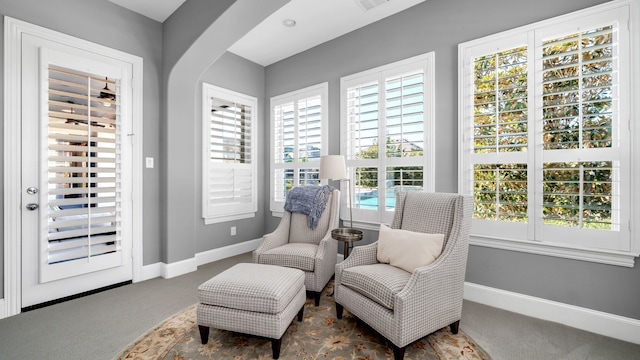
x=333, y=167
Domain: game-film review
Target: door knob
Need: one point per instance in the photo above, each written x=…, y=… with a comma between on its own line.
x=32, y=190
x=32, y=206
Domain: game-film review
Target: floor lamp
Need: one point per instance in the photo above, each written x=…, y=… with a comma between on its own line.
x=334, y=167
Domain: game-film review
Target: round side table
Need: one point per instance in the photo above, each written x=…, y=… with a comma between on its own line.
x=347, y=236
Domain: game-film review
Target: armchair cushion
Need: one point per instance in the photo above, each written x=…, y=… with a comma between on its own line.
x=294, y=255
x=378, y=282
x=408, y=250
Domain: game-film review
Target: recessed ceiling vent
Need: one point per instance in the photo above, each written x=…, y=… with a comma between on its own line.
x=367, y=5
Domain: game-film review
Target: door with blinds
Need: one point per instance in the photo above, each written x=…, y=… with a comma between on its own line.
x=76, y=203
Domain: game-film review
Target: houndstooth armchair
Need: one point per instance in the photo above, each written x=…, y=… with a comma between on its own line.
x=404, y=307
x=293, y=244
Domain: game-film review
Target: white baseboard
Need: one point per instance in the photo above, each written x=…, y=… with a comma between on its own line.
x=178, y=268
x=3, y=313
x=227, y=251
x=151, y=271
x=615, y=326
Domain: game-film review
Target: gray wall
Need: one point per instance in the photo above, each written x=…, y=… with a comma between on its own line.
x=238, y=74
x=104, y=23
x=440, y=25
x=182, y=119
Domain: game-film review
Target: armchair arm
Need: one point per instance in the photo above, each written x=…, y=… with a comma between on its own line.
x=325, y=260
x=326, y=247
x=433, y=295
x=278, y=237
x=360, y=255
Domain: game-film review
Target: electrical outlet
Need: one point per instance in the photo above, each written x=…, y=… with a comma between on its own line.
x=149, y=162
x=233, y=230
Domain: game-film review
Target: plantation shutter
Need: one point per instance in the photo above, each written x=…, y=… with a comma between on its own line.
x=298, y=140
x=309, y=140
x=363, y=116
x=405, y=136
x=84, y=186
x=229, y=154
x=546, y=146
x=284, y=145
x=404, y=103
x=500, y=136
x=362, y=120
x=581, y=154
x=387, y=119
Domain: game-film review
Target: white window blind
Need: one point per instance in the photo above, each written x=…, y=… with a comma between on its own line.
x=390, y=105
x=501, y=148
x=84, y=172
x=298, y=130
x=545, y=145
x=229, y=189
x=578, y=97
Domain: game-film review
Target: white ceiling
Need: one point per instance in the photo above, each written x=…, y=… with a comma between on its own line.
x=317, y=21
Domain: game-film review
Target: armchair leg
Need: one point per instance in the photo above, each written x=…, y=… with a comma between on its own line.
x=398, y=352
x=316, y=297
x=454, y=327
x=339, y=310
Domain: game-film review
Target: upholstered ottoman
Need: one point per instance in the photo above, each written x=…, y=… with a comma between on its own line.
x=253, y=299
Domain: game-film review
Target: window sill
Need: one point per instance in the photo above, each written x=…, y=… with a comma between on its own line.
x=364, y=225
x=221, y=219
x=609, y=257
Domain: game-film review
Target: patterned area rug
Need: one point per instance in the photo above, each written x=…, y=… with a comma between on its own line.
x=319, y=336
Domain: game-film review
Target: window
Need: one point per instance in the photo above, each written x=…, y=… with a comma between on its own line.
x=298, y=138
x=545, y=142
x=391, y=105
x=229, y=153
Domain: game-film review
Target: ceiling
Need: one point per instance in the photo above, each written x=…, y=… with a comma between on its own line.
x=317, y=21
x=158, y=10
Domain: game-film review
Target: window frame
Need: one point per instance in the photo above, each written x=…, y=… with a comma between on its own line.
x=319, y=90
x=530, y=239
x=371, y=219
x=230, y=211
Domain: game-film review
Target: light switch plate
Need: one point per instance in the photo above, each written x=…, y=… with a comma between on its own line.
x=149, y=162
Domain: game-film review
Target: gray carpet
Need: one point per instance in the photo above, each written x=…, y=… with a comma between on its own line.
x=99, y=326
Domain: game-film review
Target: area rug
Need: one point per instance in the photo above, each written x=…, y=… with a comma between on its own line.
x=319, y=336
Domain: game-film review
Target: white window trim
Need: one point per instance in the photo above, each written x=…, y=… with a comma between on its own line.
x=427, y=62
x=322, y=90
x=611, y=257
x=232, y=212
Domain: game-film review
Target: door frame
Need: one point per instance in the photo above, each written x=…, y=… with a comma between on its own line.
x=13, y=31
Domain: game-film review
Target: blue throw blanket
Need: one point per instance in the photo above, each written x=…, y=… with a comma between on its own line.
x=308, y=200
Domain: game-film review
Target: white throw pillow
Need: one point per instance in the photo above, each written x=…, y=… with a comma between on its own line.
x=408, y=250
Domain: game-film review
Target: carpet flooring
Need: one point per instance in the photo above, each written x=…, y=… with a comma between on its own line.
x=320, y=335
x=99, y=326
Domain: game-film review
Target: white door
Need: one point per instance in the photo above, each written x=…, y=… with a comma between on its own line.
x=76, y=171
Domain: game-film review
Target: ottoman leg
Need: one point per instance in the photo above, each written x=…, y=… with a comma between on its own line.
x=204, y=334
x=275, y=347
x=300, y=313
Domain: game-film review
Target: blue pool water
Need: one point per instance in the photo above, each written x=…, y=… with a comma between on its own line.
x=370, y=201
